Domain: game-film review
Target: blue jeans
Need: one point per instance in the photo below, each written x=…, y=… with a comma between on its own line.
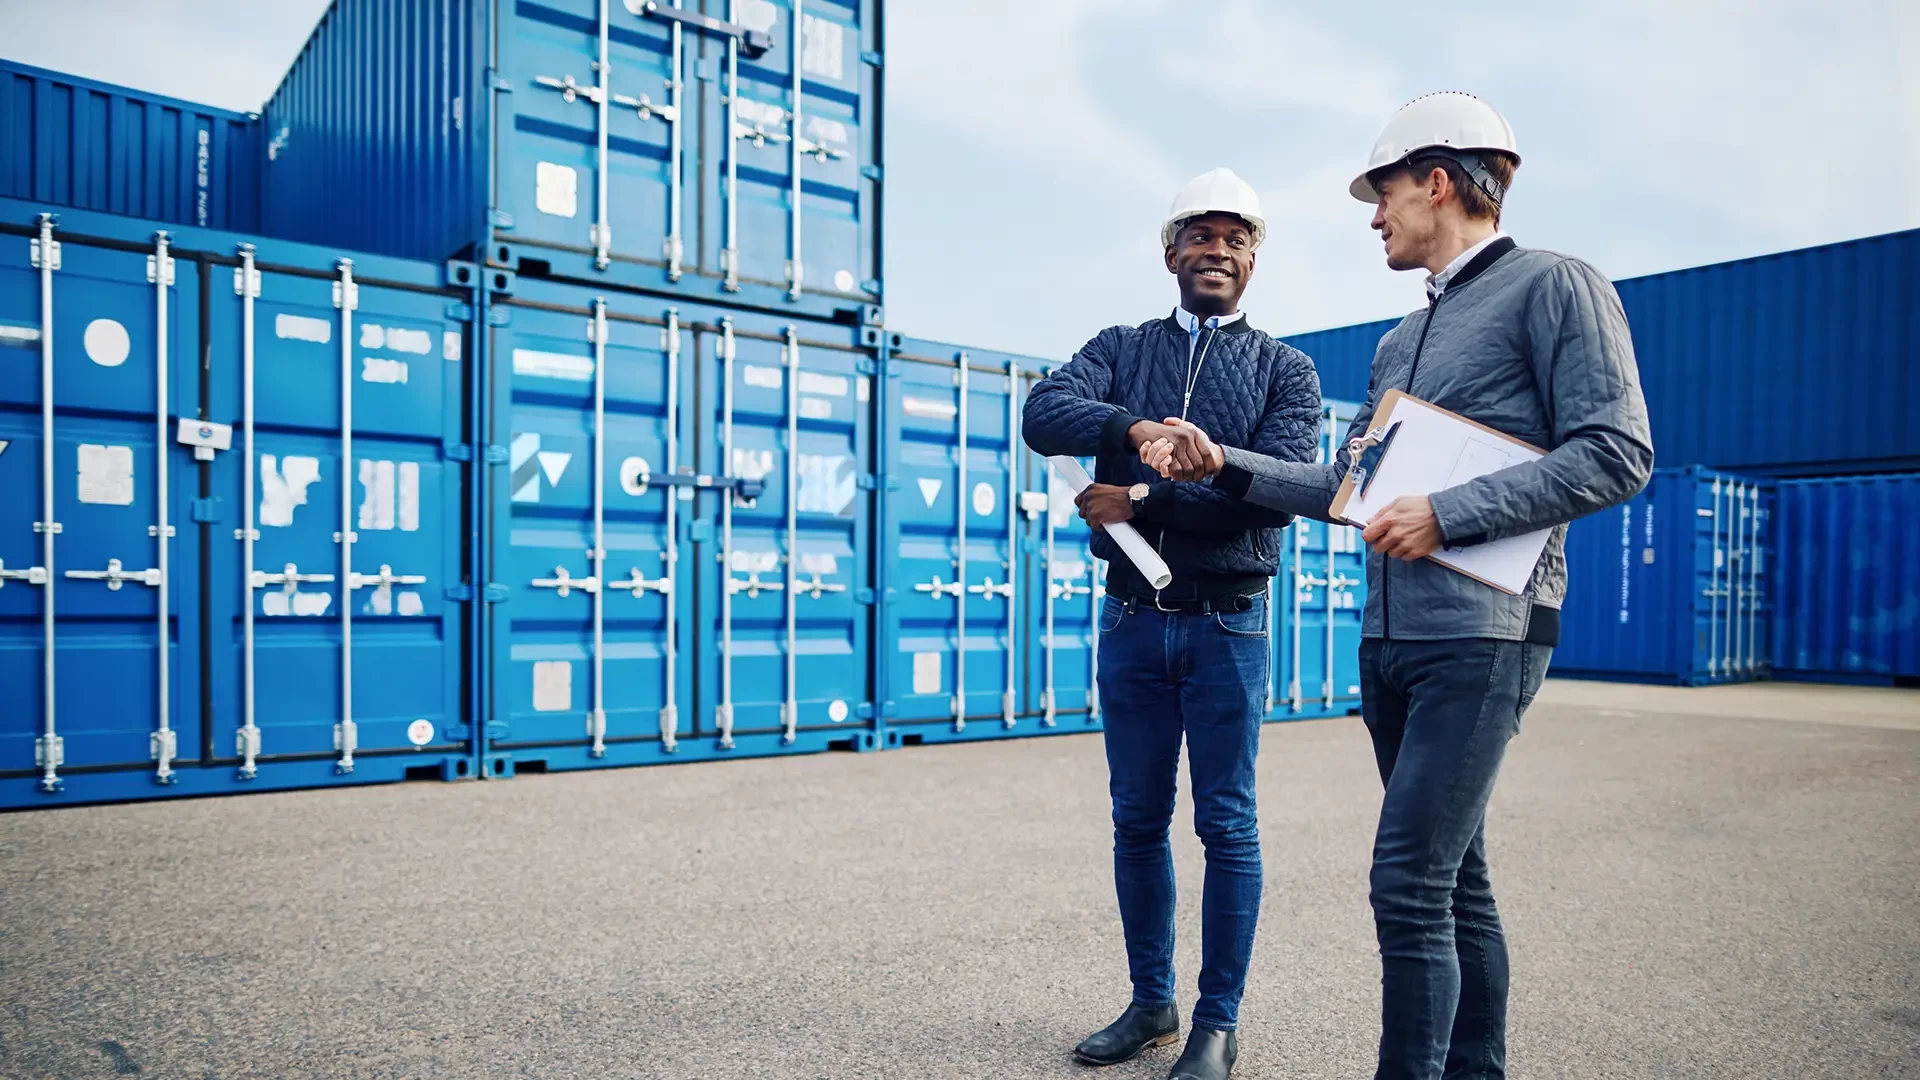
x=1441, y=713
x=1165, y=676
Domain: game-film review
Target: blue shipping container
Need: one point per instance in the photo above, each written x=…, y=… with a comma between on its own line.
x=680, y=532
x=1315, y=605
x=92, y=146
x=234, y=542
x=1847, y=579
x=1802, y=363
x=729, y=159
x=1672, y=586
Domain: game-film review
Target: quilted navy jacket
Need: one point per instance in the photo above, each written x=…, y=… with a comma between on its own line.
x=1252, y=392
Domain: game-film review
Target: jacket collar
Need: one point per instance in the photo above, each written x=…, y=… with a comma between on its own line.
x=1479, y=263
x=1240, y=324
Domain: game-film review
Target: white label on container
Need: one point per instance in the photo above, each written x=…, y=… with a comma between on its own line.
x=832, y=132
x=552, y=685
x=926, y=672
x=450, y=346
x=983, y=499
x=408, y=492
x=929, y=410
x=863, y=388
x=302, y=328
x=843, y=280
x=420, y=732
x=766, y=378
x=828, y=483
x=23, y=336
x=379, y=369
x=410, y=603
x=556, y=190
x=837, y=711
x=752, y=464
x=757, y=15
x=823, y=48
x=930, y=489
x=824, y=563
x=546, y=365
x=814, y=408
x=1068, y=569
x=764, y=115
x=392, y=495
x=417, y=342
x=307, y=604
x=373, y=336
x=106, y=343
x=283, y=486
x=813, y=382
x=754, y=562
x=106, y=474
x=635, y=475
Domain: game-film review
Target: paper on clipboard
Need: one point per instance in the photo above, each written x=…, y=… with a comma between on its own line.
x=1430, y=450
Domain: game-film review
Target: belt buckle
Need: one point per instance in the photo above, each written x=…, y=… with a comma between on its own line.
x=1163, y=608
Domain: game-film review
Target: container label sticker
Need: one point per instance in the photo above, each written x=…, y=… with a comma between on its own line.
x=634, y=475
x=766, y=378
x=757, y=15
x=828, y=484
x=750, y=464
x=983, y=499
x=23, y=336
x=814, y=408
x=529, y=463
x=307, y=604
x=107, y=343
x=552, y=685
x=420, y=732
x=754, y=562
x=837, y=711
x=417, y=342
x=392, y=495
x=384, y=601
x=411, y=604
x=843, y=280
x=303, y=328
x=379, y=369
x=930, y=489
x=1067, y=569
x=450, y=346
x=863, y=388
x=929, y=410
x=546, y=365
x=556, y=190
x=763, y=115
x=822, y=48
x=106, y=474
x=373, y=336
x=926, y=672
x=824, y=563
x=813, y=382
x=283, y=486
x=822, y=130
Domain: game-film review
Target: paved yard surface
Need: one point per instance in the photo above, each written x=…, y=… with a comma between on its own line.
x=1707, y=883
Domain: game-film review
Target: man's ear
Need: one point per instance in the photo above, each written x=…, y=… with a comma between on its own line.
x=1170, y=267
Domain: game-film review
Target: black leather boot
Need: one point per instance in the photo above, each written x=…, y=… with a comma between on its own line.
x=1123, y=1039
x=1209, y=1055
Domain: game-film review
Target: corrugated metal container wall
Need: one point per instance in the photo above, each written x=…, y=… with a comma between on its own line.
x=682, y=532
x=1673, y=585
x=1848, y=579
x=93, y=146
x=636, y=145
x=1314, y=606
x=1343, y=356
x=258, y=522
x=1798, y=363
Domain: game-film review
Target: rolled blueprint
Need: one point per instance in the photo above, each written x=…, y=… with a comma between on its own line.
x=1139, y=552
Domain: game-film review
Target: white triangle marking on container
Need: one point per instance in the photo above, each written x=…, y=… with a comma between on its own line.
x=553, y=463
x=929, y=489
x=4, y=443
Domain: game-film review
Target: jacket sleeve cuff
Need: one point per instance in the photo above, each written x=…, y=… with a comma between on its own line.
x=1233, y=480
x=1454, y=531
x=1113, y=437
x=1158, y=505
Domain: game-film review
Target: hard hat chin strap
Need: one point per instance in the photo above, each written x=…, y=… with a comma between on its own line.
x=1474, y=165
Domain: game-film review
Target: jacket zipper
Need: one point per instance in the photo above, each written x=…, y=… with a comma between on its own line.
x=1386, y=563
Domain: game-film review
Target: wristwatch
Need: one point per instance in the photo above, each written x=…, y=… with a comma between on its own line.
x=1138, y=493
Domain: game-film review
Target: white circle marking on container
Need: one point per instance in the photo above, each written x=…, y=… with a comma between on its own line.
x=837, y=712
x=983, y=499
x=107, y=343
x=635, y=475
x=843, y=281
x=420, y=732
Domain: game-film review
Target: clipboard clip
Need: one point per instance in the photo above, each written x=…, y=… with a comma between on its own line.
x=1365, y=453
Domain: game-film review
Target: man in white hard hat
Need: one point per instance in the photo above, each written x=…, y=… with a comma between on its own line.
x=1189, y=661
x=1532, y=344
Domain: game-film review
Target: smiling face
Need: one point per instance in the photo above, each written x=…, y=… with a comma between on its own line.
x=1212, y=258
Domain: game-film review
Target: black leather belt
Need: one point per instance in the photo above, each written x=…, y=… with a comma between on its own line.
x=1171, y=606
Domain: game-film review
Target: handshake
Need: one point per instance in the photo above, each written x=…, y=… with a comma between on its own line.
x=1177, y=450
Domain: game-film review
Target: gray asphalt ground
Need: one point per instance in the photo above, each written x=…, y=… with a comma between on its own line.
x=1707, y=883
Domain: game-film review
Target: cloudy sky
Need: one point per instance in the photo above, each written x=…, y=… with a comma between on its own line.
x=1033, y=145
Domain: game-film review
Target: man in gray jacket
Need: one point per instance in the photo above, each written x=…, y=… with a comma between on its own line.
x=1535, y=345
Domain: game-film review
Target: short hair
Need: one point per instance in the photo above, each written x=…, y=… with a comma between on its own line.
x=1499, y=164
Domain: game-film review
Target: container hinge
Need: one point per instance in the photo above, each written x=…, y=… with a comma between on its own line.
x=207, y=510
x=458, y=311
x=463, y=593
x=491, y=453
x=867, y=481
x=863, y=597
x=871, y=286
x=500, y=282
x=871, y=172
x=870, y=58
x=753, y=43
x=865, y=366
x=499, y=316
x=53, y=248
x=500, y=219
x=497, y=81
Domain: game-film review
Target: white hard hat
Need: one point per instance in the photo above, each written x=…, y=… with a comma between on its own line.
x=1438, y=122
x=1218, y=191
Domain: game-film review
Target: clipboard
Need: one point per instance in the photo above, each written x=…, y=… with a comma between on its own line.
x=1417, y=448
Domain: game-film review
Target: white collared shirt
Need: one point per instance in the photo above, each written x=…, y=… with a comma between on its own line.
x=1192, y=323
x=1437, y=284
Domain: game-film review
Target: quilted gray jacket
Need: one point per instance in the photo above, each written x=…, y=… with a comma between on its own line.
x=1251, y=389
x=1530, y=343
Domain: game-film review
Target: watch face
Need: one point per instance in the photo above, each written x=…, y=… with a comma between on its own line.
x=1137, y=492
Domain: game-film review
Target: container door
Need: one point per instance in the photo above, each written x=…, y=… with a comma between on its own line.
x=96, y=569
x=1314, y=606
x=784, y=585
x=594, y=162
x=789, y=207
x=332, y=578
x=590, y=663
x=1063, y=591
x=1731, y=621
